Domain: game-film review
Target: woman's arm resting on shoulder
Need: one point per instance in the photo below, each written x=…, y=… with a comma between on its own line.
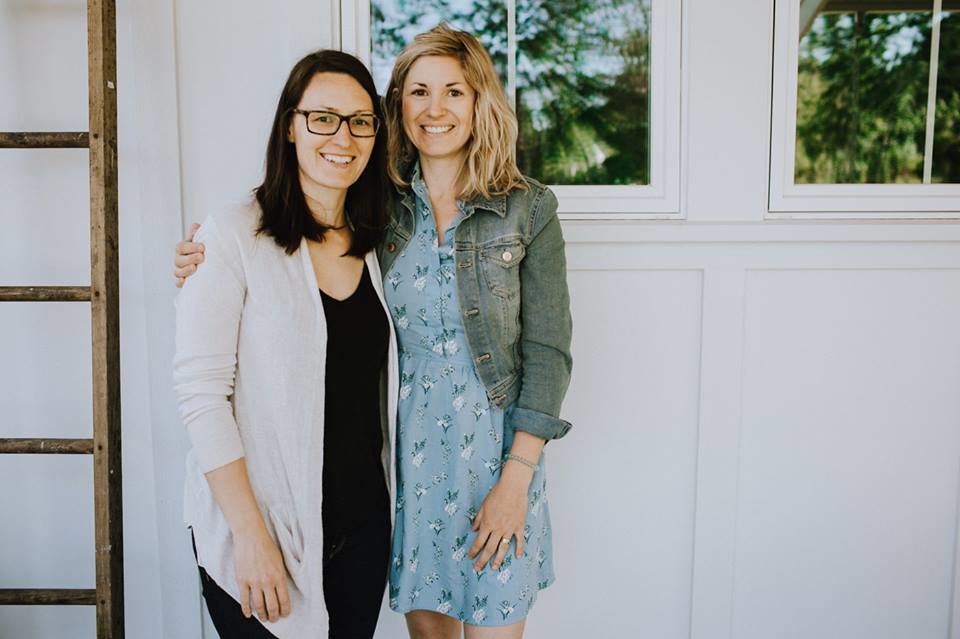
x=188, y=256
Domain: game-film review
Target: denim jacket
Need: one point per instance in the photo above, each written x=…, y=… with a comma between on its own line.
x=512, y=285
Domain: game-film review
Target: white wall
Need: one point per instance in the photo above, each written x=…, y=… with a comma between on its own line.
x=766, y=423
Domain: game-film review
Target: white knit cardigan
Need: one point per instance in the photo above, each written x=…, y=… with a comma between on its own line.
x=249, y=374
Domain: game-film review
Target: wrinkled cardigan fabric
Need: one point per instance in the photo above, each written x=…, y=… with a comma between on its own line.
x=249, y=375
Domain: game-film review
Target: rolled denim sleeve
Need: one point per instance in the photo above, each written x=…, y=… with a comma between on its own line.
x=546, y=328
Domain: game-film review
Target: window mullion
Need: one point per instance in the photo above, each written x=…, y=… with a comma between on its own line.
x=932, y=92
x=512, y=53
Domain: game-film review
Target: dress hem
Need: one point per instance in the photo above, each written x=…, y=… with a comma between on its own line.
x=547, y=584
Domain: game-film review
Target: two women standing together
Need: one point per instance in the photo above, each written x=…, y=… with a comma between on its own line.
x=339, y=335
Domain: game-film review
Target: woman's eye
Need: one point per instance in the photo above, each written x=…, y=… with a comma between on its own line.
x=323, y=118
x=418, y=92
x=456, y=93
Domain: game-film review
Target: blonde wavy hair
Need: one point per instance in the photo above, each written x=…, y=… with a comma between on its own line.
x=490, y=165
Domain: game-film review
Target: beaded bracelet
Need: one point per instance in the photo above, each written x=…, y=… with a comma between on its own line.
x=526, y=462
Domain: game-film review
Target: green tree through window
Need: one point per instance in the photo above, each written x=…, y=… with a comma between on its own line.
x=862, y=98
x=582, y=77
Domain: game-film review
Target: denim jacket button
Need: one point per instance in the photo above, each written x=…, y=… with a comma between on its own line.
x=507, y=256
x=391, y=247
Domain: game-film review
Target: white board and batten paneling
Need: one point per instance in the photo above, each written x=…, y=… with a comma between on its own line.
x=766, y=420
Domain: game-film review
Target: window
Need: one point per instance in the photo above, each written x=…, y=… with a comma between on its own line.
x=594, y=84
x=867, y=108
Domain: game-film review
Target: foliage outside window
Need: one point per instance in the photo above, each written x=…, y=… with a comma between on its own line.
x=580, y=77
x=863, y=87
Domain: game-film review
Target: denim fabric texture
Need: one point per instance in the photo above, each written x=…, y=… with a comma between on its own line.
x=512, y=285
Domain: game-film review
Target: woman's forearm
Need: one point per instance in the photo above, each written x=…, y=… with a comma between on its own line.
x=231, y=488
x=529, y=447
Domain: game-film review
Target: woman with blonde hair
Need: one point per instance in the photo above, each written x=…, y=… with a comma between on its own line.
x=475, y=278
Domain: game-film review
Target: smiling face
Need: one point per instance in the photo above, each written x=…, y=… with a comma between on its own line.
x=438, y=108
x=330, y=162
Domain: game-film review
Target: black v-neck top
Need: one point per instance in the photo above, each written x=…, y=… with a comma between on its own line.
x=358, y=336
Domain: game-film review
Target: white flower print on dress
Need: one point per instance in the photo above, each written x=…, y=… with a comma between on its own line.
x=444, y=422
x=418, y=455
x=437, y=526
x=420, y=490
x=537, y=497
x=444, y=274
x=395, y=280
x=427, y=382
x=493, y=465
x=443, y=602
x=406, y=381
x=459, y=548
x=450, y=502
x=479, y=411
x=420, y=277
x=414, y=562
x=506, y=608
x=479, y=609
x=505, y=575
x=466, y=448
x=458, y=396
x=450, y=344
x=400, y=317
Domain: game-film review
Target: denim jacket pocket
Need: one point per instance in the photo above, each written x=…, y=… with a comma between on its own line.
x=501, y=267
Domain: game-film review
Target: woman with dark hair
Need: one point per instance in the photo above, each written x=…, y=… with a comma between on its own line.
x=286, y=373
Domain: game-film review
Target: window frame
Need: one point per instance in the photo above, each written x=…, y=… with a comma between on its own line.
x=658, y=200
x=788, y=200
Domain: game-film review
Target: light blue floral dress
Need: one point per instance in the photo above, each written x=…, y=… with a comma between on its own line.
x=450, y=445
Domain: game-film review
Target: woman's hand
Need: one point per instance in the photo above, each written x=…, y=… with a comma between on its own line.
x=189, y=254
x=502, y=516
x=261, y=575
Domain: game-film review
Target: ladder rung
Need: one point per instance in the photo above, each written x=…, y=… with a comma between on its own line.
x=44, y=293
x=45, y=140
x=47, y=597
x=37, y=446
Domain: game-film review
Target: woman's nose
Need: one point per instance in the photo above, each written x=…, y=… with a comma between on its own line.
x=436, y=106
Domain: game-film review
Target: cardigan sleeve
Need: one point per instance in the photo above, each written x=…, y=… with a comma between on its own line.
x=208, y=310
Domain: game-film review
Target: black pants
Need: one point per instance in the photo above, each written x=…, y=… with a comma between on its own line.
x=354, y=576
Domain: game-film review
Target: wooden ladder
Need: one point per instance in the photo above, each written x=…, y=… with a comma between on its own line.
x=103, y=296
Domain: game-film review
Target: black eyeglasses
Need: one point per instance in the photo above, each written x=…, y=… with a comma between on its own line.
x=360, y=125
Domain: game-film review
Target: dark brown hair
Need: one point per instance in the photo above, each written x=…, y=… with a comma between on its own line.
x=286, y=217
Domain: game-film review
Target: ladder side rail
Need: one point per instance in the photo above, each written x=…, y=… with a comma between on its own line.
x=105, y=315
